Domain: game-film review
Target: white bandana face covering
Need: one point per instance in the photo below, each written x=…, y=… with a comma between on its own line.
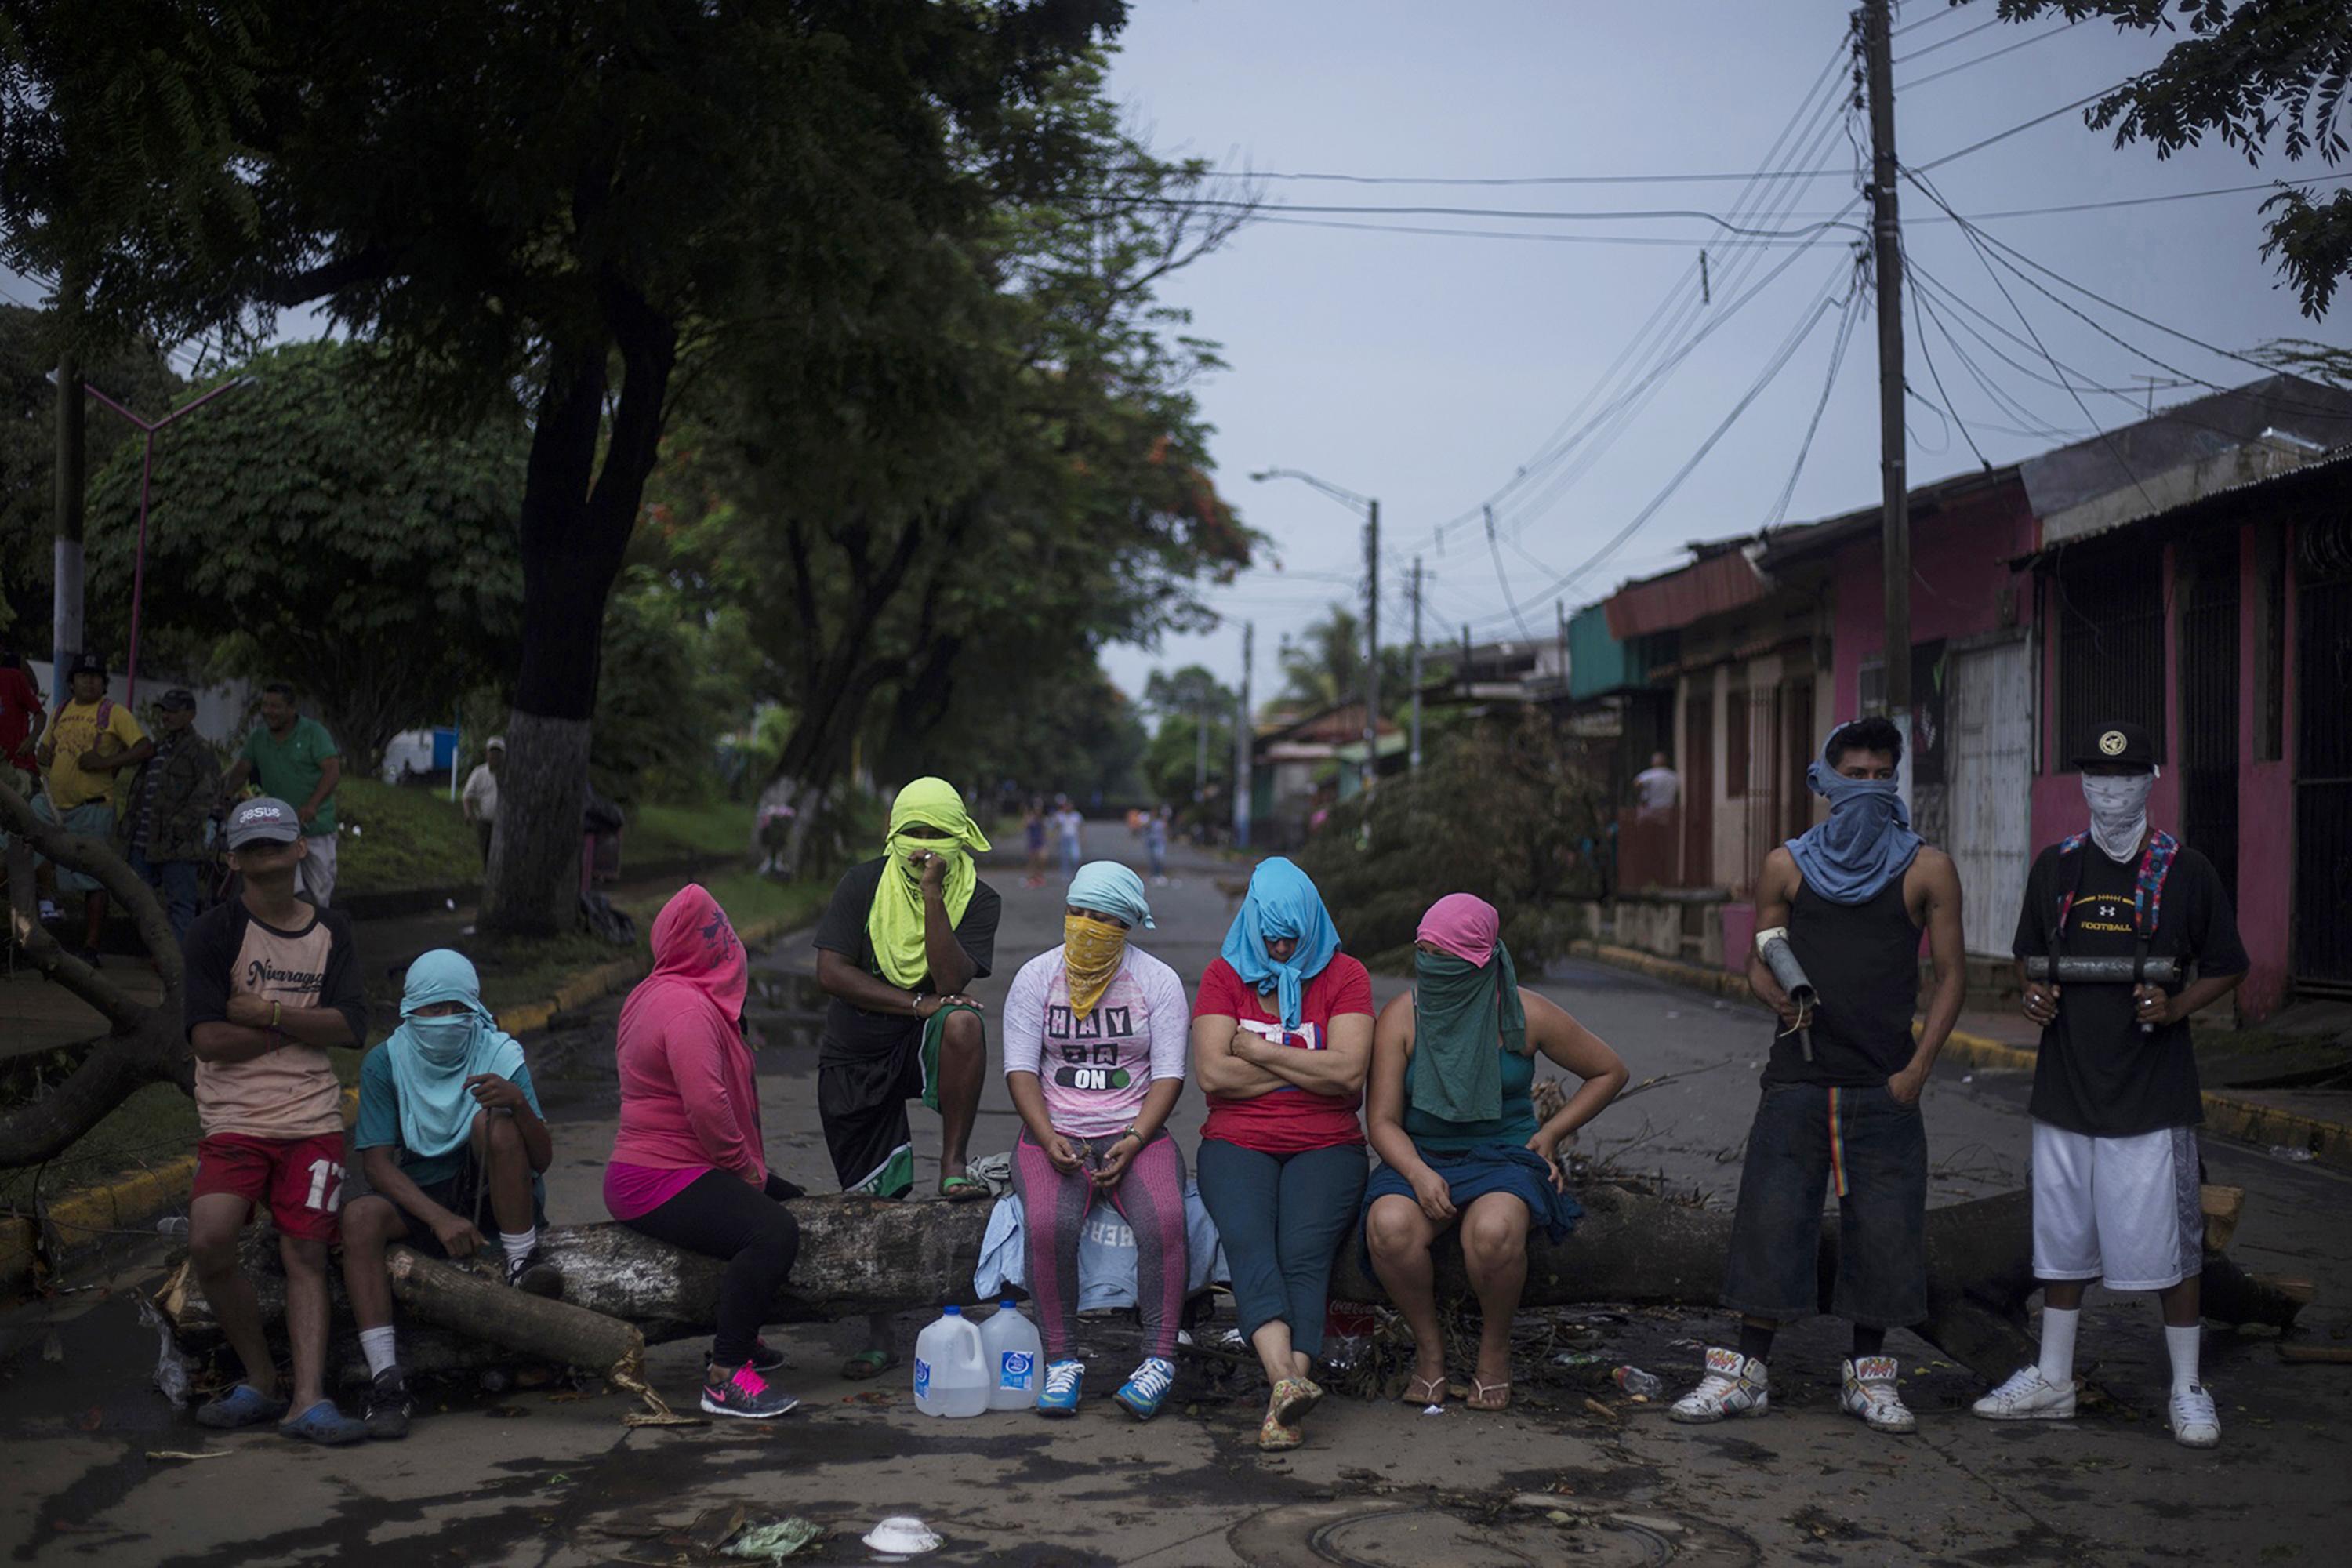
x=2118, y=812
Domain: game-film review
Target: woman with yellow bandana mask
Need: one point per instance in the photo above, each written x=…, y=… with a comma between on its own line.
x=903, y=937
x=1096, y=1040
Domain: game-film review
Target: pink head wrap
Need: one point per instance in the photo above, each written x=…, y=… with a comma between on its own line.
x=1463, y=924
x=693, y=941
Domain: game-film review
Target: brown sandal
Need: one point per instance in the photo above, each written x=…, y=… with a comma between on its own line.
x=1431, y=1391
x=1489, y=1395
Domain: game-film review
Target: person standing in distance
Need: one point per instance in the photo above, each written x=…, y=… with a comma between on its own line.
x=171, y=798
x=94, y=736
x=2115, y=1099
x=480, y=801
x=295, y=759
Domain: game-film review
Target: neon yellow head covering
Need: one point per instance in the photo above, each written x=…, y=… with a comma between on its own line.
x=895, y=922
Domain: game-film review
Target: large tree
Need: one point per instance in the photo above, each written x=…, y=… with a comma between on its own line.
x=574, y=197
x=298, y=531
x=2259, y=75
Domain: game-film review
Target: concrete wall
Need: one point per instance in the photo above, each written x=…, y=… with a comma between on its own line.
x=1961, y=586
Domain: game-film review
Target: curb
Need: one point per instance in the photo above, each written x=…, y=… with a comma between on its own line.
x=2330, y=1142
x=131, y=1202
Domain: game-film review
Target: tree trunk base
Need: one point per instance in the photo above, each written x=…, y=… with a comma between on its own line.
x=531, y=887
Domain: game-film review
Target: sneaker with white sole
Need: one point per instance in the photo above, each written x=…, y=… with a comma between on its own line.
x=1869, y=1391
x=1064, y=1379
x=2028, y=1396
x=2195, y=1423
x=1140, y=1394
x=1734, y=1385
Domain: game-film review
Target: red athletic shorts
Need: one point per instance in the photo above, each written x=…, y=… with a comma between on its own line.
x=301, y=1178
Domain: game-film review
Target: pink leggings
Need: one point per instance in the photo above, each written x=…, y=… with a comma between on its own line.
x=1149, y=1196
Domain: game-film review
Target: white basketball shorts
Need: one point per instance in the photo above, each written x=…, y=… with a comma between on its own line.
x=2124, y=1210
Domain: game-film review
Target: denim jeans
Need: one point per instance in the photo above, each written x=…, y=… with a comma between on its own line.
x=177, y=882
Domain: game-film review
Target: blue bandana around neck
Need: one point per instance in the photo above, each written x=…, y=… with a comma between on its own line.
x=432, y=1058
x=1866, y=842
x=1281, y=903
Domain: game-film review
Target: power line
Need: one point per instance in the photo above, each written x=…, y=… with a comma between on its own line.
x=2026, y=126
x=1492, y=180
x=1677, y=242
x=1544, y=215
x=1804, y=449
x=1939, y=43
x=1970, y=65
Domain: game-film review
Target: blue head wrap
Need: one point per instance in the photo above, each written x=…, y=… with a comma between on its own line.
x=1281, y=903
x=432, y=1058
x=1110, y=889
x=1867, y=841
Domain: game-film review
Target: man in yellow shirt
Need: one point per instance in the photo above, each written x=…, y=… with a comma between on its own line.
x=92, y=738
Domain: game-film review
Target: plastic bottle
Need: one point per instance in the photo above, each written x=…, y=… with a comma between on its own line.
x=175, y=1225
x=1013, y=1352
x=1639, y=1383
x=950, y=1374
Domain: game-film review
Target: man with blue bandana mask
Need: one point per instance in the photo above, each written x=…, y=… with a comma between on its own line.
x=450, y=1138
x=2116, y=1101
x=1841, y=1106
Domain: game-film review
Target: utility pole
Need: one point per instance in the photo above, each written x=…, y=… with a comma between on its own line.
x=1885, y=234
x=65, y=601
x=1559, y=640
x=1371, y=650
x=1200, y=714
x=1412, y=757
x=1245, y=735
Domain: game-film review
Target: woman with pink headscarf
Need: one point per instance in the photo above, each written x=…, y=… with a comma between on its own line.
x=689, y=1166
x=1450, y=1108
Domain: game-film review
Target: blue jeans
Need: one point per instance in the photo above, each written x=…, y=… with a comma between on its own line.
x=1282, y=1218
x=177, y=882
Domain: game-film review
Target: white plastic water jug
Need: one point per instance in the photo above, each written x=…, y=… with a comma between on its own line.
x=1016, y=1358
x=951, y=1376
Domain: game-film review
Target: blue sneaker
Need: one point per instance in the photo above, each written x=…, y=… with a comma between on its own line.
x=1060, y=1394
x=243, y=1405
x=322, y=1422
x=1146, y=1386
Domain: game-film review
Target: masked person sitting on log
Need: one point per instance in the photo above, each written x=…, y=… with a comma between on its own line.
x=2116, y=1101
x=273, y=984
x=689, y=1166
x=1282, y=1036
x=1095, y=1034
x=449, y=1135
x=1452, y=1115
x=1842, y=1085
x=902, y=937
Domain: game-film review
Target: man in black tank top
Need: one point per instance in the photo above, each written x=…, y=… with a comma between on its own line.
x=1840, y=1103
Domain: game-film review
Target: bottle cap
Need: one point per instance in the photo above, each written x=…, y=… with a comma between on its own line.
x=954, y=1311
x=1008, y=1304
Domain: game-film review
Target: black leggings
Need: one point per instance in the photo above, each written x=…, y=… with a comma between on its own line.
x=720, y=1216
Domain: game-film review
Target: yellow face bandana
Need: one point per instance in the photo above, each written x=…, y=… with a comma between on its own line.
x=1092, y=951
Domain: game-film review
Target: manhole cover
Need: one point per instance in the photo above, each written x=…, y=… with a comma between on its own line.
x=1360, y=1534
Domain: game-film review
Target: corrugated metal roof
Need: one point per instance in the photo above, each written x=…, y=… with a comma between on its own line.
x=2186, y=433
x=1709, y=588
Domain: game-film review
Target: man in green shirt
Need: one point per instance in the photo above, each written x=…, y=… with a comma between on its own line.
x=296, y=760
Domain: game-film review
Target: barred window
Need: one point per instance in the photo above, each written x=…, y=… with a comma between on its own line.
x=2109, y=609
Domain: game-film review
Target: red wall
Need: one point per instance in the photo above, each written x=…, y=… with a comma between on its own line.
x=1959, y=569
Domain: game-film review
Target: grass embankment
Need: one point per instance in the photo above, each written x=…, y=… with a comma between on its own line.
x=398, y=837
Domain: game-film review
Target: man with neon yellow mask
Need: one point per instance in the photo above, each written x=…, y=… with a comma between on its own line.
x=903, y=936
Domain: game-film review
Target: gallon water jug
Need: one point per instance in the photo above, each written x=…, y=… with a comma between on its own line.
x=1015, y=1356
x=950, y=1376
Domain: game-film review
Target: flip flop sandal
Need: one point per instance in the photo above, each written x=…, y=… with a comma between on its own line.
x=1423, y=1391
x=1489, y=1395
x=962, y=1189
x=867, y=1364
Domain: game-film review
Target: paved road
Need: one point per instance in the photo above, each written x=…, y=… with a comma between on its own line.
x=529, y=1479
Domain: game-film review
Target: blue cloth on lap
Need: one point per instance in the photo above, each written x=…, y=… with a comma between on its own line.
x=1512, y=1168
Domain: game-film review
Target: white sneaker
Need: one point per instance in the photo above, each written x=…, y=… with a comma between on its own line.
x=50, y=912
x=1869, y=1391
x=2194, y=1422
x=1734, y=1385
x=2028, y=1396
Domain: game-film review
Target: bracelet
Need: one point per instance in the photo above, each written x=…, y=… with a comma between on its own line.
x=277, y=1010
x=917, y=1004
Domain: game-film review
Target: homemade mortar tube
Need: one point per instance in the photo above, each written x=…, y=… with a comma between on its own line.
x=1772, y=947
x=2104, y=971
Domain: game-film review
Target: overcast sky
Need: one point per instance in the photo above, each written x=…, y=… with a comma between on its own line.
x=1425, y=370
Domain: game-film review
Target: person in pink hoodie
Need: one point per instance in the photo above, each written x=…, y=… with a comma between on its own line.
x=689, y=1166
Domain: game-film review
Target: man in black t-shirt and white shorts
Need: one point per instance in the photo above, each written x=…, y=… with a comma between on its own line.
x=2115, y=1102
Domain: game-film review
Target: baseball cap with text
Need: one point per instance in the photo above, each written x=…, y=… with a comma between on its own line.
x=264, y=820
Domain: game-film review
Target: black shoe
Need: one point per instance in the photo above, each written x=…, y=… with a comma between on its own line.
x=389, y=1405
x=766, y=1359
x=533, y=1274
x=744, y=1393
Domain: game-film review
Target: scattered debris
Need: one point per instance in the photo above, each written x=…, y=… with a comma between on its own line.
x=189, y=1454
x=1640, y=1384
x=901, y=1536
x=779, y=1539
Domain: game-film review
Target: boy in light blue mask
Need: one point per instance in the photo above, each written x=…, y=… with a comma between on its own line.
x=449, y=1126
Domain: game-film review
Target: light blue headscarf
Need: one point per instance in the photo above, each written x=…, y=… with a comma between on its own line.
x=1867, y=841
x=433, y=1057
x=1281, y=902
x=1108, y=888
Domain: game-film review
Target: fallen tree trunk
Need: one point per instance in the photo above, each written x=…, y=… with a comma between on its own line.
x=860, y=1255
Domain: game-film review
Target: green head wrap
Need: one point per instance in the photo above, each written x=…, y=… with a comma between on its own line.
x=895, y=922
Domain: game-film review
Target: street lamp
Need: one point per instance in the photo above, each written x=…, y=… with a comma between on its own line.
x=1371, y=509
x=146, y=481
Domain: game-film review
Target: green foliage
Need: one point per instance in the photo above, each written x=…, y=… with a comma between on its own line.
x=1323, y=666
x=302, y=531
x=1506, y=814
x=674, y=681
x=137, y=377
x=398, y=837
x=2249, y=72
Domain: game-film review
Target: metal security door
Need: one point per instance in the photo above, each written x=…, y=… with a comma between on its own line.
x=2207, y=746
x=2323, y=758
x=1990, y=724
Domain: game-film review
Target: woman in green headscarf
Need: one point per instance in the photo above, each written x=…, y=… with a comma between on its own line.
x=903, y=937
x=1450, y=1108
